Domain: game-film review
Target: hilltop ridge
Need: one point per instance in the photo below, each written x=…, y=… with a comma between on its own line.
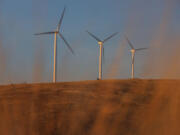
x=109, y=107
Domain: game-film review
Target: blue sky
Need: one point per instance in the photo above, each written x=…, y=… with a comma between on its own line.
x=29, y=58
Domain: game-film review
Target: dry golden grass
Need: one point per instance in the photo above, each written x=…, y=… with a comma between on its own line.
x=110, y=107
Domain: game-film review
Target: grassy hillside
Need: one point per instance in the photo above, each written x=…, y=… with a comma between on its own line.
x=111, y=107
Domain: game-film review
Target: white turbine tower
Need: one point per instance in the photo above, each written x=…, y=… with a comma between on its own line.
x=133, y=51
x=55, y=33
x=101, y=43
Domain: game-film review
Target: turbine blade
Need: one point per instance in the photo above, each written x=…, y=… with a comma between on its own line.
x=140, y=49
x=93, y=36
x=110, y=37
x=44, y=33
x=61, y=19
x=130, y=44
x=103, y=56
x=67, y=44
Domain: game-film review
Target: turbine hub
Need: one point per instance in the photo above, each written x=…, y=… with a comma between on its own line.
x=100, y=43
x=133, y=51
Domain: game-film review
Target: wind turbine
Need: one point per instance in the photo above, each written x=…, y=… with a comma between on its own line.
x=55, y=33
x=133, y=51
x=101, y=43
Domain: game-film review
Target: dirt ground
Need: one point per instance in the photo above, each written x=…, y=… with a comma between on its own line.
x=110, y=107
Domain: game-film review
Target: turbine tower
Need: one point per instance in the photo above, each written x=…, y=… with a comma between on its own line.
x=55, y=33
x=101, y=52
x=133, y=51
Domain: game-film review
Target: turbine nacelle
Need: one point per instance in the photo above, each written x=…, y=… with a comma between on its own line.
x=132, y=50
x=100, y=43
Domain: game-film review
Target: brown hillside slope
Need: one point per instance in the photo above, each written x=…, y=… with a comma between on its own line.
x=129, y=107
